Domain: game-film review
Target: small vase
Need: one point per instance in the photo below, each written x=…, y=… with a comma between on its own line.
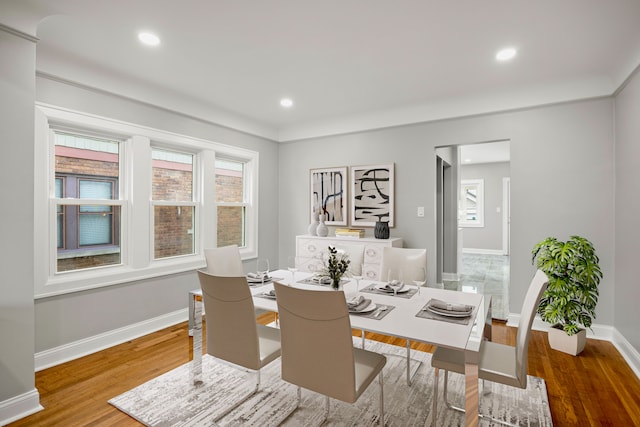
x=314, y=224
x=336, y=285
x=382, y=230
x=322, y=229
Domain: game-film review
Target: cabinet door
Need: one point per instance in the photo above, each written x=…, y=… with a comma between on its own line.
x=373, y=254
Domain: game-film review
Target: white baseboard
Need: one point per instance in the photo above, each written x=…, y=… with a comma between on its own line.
x=19, y=407
x=454, y=277
x=64, y=353
x=627, y=351
x=483, y=251
x=599, y=332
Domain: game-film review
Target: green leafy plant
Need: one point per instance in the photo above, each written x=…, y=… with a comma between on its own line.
x=336, y=266
x=574, y=275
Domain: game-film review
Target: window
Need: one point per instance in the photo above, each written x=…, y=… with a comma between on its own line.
x=117, y=202
x=174, y=208
x=88, y=233
x=231, y=202
x=471, y=203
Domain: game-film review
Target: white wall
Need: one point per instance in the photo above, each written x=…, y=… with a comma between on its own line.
x=490, y=236
x=561, y=180
x=627, y=206
x=16, y=225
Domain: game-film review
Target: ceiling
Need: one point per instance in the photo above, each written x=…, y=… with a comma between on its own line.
x=348, y=65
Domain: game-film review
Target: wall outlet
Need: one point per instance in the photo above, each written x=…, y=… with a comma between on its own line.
x=420, y=211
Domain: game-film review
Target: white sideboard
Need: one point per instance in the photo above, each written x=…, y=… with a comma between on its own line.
x=365, y=252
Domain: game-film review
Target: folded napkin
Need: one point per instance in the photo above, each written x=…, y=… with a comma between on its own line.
x=358, y=303
x=389, y=287
x=395, y=283
x=271, y=293
x=323, y=280
x=442, y=305
x=258, y=276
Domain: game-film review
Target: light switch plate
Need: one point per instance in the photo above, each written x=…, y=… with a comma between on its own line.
x=420, y=211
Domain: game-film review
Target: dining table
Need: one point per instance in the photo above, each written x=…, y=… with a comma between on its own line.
x=404, y=314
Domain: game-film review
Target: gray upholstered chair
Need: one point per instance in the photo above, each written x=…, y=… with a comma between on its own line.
x=404, y=260
x=232, y=332
x=317, y=347
x=499, y=363
x=224, y=261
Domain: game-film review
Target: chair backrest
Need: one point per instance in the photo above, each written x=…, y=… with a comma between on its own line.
x=527, y=314
x=316, y=343
x=231, y=322
x=224, y=261
x=402, y=259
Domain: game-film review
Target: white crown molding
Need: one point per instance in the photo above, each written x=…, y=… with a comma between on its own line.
x=454, y=107
x=52, y=68
x=15, y=32
x=180, y=105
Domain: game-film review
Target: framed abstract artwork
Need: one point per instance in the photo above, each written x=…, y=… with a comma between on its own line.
x=372, y=194
x=329, y=194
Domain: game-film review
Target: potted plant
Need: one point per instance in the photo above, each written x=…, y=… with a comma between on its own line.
x=569, y=302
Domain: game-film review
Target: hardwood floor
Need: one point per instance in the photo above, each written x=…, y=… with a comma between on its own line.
x=595, y=388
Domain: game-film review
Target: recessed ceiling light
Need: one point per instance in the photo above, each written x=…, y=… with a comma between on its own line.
x=506, y=54
x=286, y=102
x=149, y=39
x=467, y=160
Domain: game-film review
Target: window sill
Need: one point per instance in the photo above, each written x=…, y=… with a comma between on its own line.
x=79, y=281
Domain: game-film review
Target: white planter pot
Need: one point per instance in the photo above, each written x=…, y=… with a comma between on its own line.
x=559, y=340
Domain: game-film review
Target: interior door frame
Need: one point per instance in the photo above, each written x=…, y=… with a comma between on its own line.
x=506, y=215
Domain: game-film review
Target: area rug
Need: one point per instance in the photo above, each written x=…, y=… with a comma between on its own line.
x=172, y=400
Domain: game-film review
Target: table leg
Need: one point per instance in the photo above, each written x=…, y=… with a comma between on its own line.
x=196, y=364
x=192, y=302
x=471, y=393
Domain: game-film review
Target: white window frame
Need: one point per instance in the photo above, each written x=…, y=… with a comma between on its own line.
x=136, y=241
x=250, y=197
x=462, y=220
x=195, y=197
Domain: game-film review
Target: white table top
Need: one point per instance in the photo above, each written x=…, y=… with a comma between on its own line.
x=402, y=321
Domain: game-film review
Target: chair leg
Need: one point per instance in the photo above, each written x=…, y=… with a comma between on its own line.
x=456, y=408
x=241, y=401
x=298, y=400
x=381, y=421
x=409, y=375
x=326, y=409
x=446, y=393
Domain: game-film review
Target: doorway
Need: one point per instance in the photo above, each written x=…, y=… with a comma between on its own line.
x=481, y=222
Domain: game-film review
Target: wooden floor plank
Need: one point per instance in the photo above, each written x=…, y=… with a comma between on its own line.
x=595, y=388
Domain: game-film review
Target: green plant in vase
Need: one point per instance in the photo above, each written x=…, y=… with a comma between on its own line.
x=574, y=275
x=336, y=266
